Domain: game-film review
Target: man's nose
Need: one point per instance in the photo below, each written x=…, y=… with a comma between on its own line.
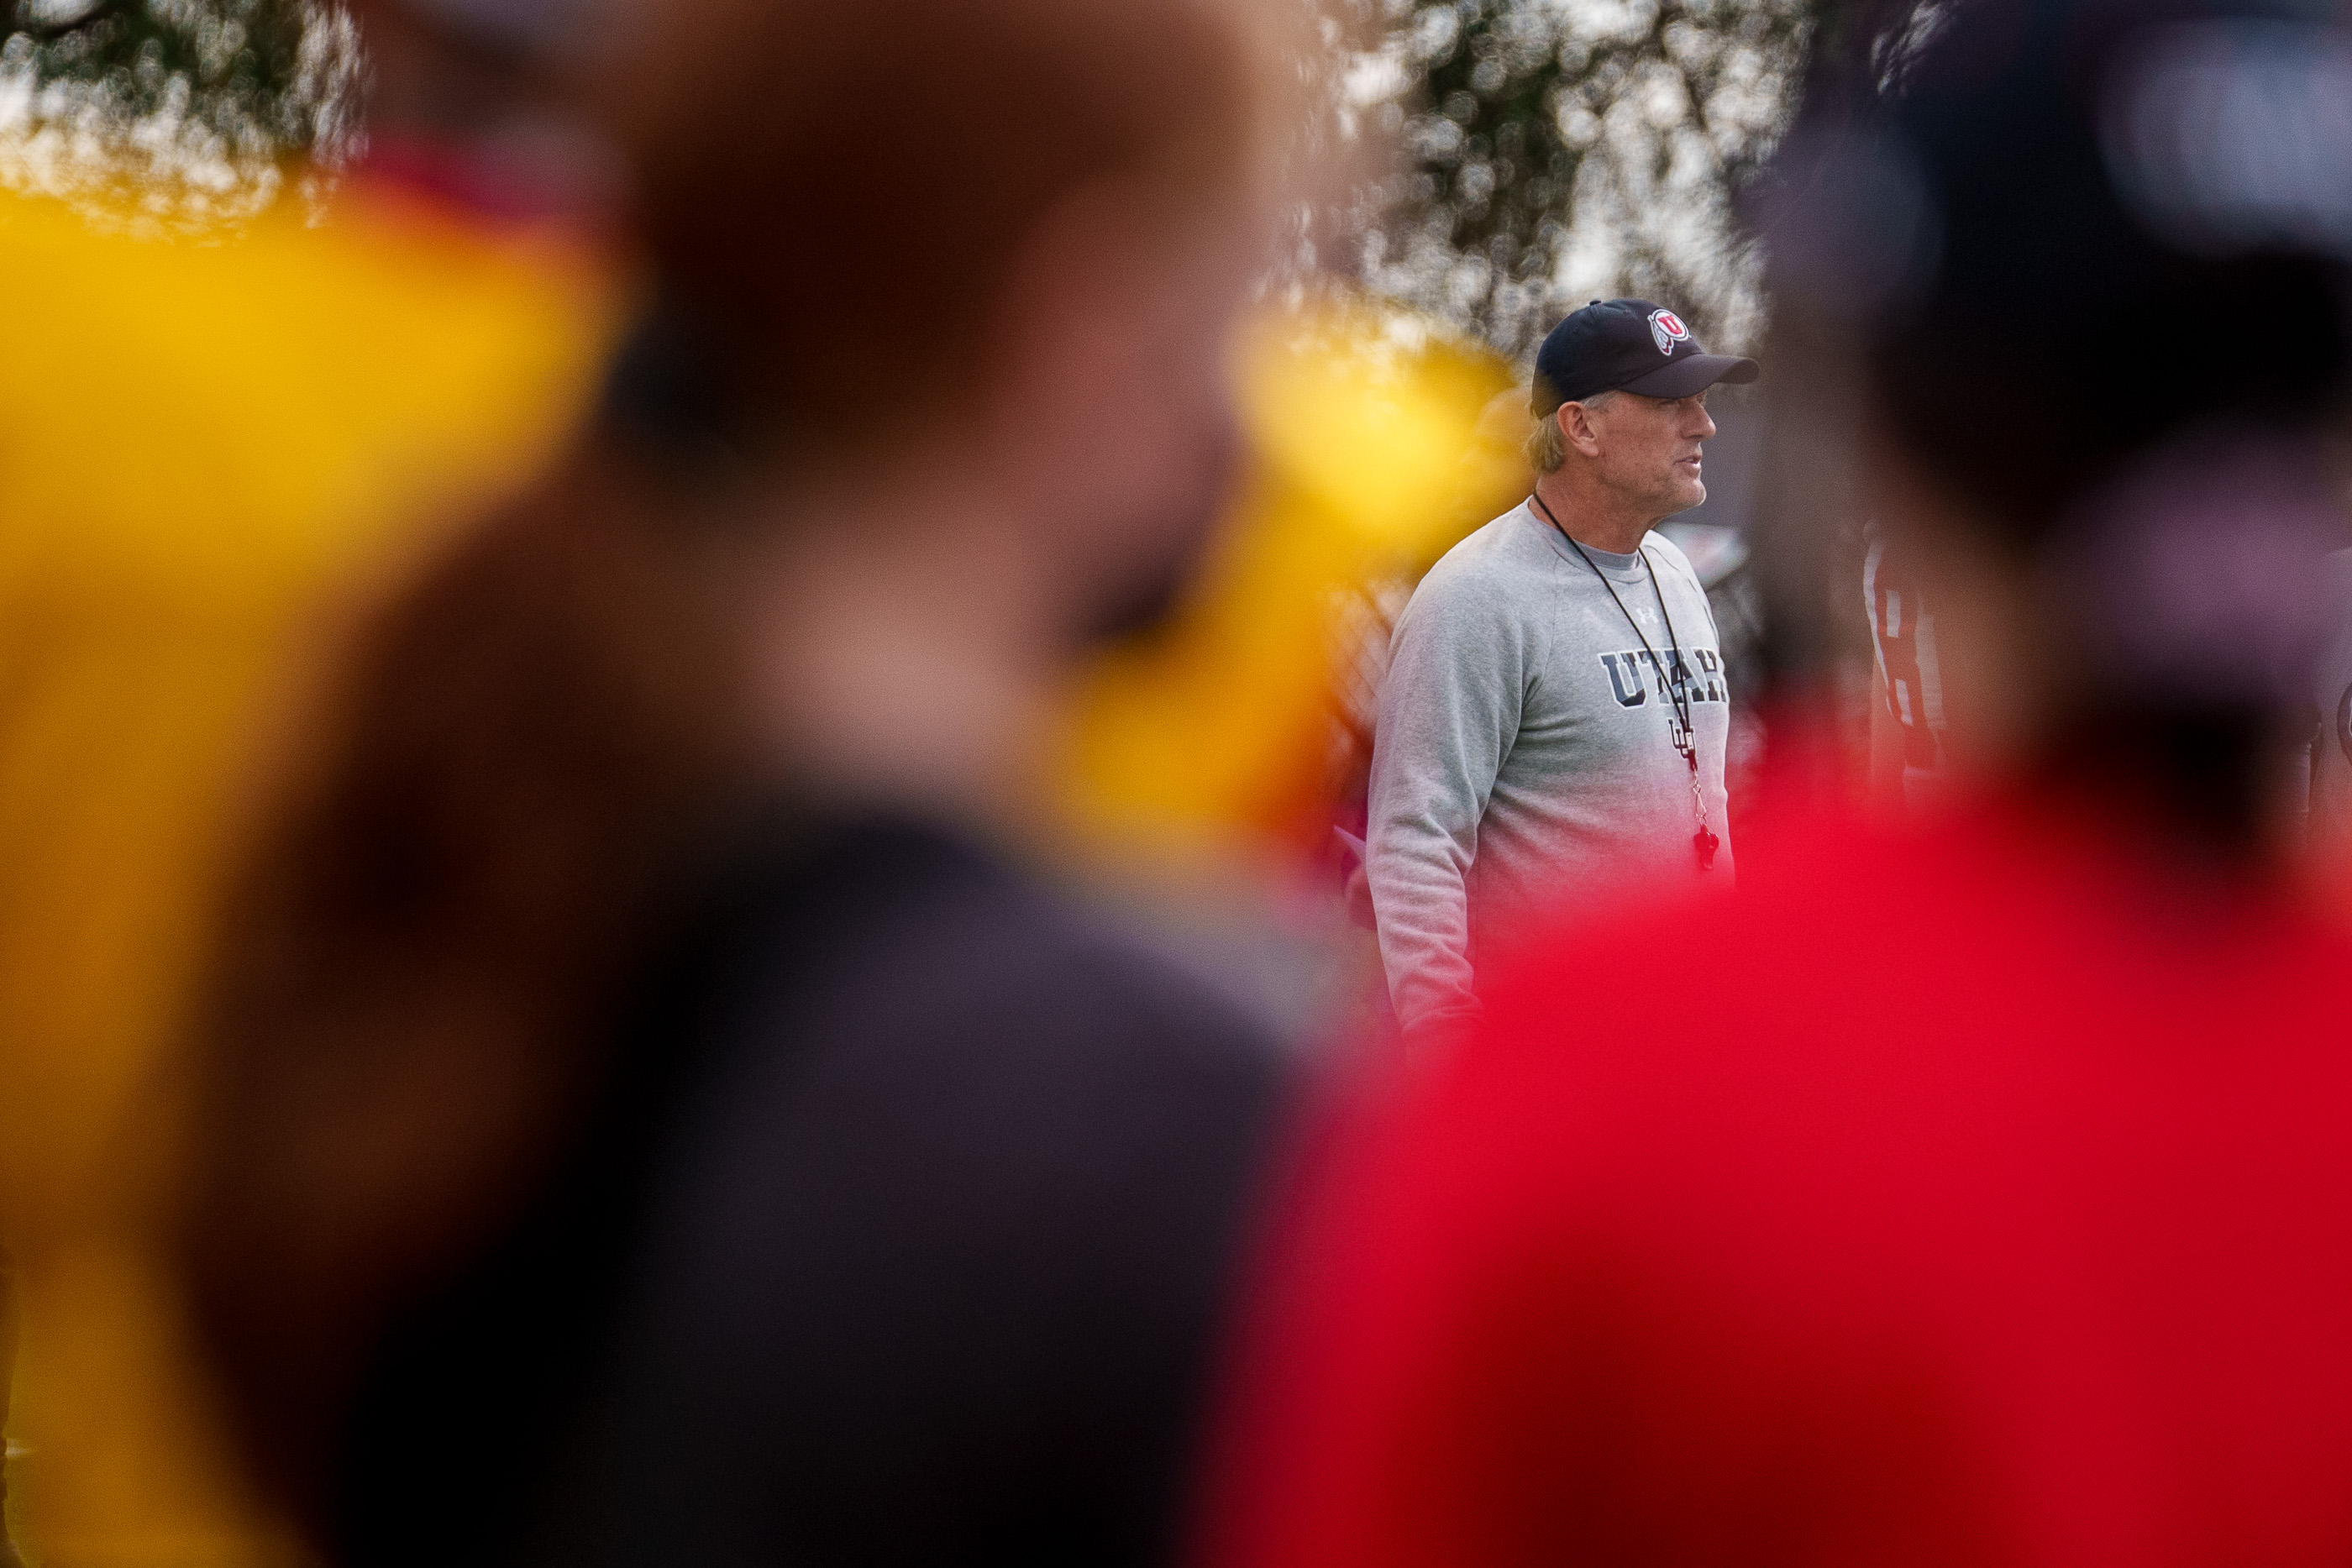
x=1704, y=430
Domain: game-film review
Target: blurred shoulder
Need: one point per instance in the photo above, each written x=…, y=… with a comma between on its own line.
x=1868, y=965
x=890, y=935
x=1497, y=561
x=1501, y=544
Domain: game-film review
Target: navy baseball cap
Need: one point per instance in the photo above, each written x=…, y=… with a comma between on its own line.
x=1627, y=345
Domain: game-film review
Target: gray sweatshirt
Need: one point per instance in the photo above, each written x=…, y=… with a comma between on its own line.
x=1525, y=751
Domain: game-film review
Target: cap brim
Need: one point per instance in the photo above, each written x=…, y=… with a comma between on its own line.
x=1694, y=374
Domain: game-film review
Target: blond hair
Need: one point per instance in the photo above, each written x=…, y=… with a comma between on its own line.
x=1548, y=442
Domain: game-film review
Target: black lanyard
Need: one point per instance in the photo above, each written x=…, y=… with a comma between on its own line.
x=1677, y=681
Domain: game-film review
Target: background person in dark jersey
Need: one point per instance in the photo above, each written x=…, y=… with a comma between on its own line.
x=877, y=1206
x=1974, y=1191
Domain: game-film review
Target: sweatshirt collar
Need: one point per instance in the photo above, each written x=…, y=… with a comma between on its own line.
x=1627, y=569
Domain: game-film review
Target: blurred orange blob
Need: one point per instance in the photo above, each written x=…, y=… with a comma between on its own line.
x=209, y=453
x=1215, y=731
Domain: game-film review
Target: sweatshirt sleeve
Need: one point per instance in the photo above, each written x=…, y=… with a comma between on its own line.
x=1449, y=712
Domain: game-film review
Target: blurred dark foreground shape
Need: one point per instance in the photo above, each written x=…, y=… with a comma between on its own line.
x=1973, y=1191
x=298, y=404
x=649, y=1115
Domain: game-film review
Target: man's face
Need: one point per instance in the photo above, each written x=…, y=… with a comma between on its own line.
x=1649, y=449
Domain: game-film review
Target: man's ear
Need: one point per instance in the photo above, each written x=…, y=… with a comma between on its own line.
x=1576, y=424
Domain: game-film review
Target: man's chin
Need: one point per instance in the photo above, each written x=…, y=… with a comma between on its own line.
x=1688, y=496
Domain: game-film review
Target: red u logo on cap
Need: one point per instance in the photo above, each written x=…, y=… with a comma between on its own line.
x=1667, y=329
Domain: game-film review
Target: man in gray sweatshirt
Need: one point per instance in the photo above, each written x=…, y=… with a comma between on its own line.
x=1554, y=718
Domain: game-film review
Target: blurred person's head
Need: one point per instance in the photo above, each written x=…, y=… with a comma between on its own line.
x=1619, y=400
x=2092, y=263
x=955, y=309
x=935, y=392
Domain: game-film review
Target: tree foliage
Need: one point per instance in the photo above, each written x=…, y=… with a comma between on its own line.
x=181, y=110
x=1558, y=150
